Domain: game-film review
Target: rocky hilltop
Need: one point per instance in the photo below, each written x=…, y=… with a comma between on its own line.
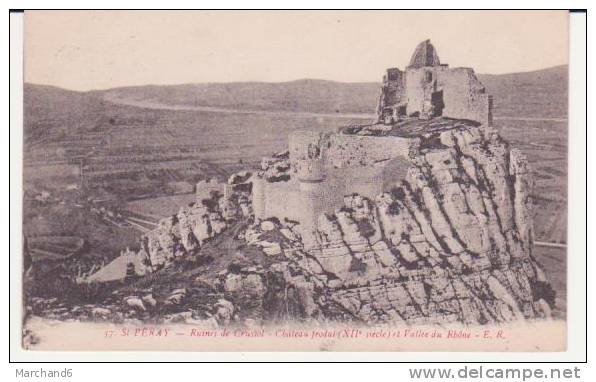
x=421, y=217
x=452, y=242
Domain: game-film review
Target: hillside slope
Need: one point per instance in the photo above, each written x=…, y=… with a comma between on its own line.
x=51, y=112
x=317, y=96
x=540, y=93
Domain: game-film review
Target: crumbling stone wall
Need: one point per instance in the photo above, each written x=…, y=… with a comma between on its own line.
x=428, y=89
x=304, y=201
x=463, y=95
x=325, y=168
x=353, y=150
x=277, y=199
x=346, y=150
x=392, y=96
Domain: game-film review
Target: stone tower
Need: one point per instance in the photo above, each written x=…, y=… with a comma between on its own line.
x=312, y=186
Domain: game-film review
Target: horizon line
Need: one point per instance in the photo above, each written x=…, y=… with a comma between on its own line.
x=268, y=82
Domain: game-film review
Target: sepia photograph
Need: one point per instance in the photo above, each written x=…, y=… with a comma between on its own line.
x=295, y=180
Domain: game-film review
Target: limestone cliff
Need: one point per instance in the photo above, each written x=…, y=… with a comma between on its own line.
x=450, y=242
x=185, y=233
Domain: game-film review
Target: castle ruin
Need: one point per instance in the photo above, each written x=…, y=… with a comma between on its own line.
x=321, y=168
x=428, y=89
x=422, y=216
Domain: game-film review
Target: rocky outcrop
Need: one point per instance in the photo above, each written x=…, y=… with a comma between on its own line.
x=183, y=234
x=276, y=168
x=450, y=242
x=194, y=225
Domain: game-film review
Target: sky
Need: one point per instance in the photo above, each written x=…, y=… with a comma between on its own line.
x=87, y=50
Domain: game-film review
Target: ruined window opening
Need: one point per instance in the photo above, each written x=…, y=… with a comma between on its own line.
x=401, y=110
x=436, y=99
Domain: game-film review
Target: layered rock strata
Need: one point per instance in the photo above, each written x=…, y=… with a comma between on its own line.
x=450, y=242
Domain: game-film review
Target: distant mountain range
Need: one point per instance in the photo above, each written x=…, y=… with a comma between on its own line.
x=541, y=94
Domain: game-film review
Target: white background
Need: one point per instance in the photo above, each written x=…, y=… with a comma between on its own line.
x=299, y=372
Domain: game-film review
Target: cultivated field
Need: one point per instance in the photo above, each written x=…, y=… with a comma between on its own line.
x=153, y=209
x=54, y=247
